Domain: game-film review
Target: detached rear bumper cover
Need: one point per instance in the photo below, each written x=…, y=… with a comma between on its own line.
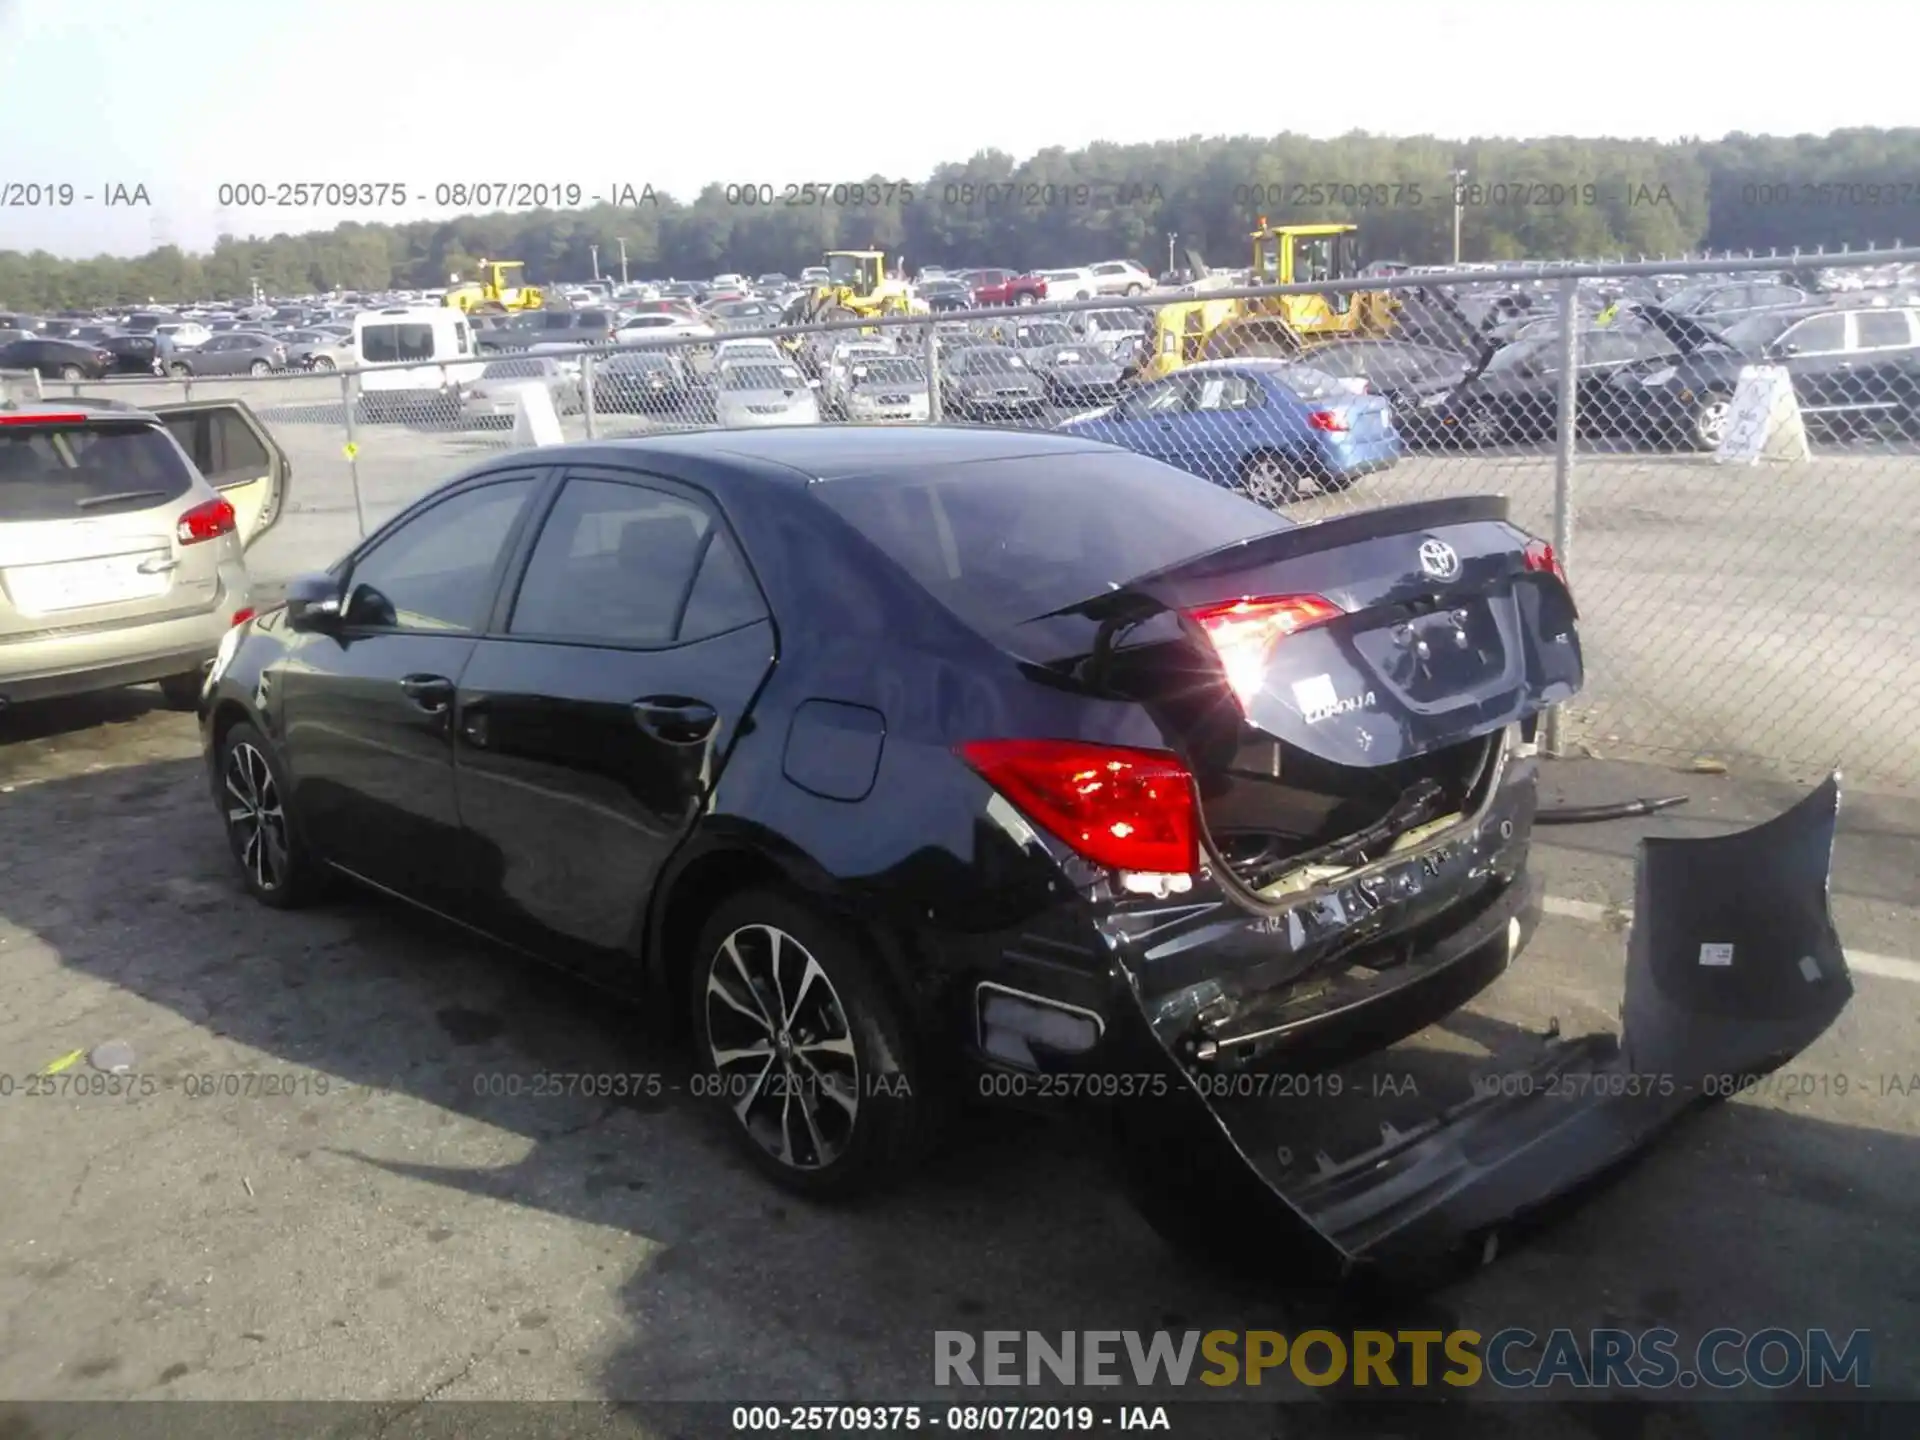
x=1733, y=968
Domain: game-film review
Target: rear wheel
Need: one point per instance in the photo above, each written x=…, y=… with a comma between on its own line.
x=72, y=372
x=1484, y=428
x=1707, y=426
x=800, y=1046
x=251, y=791
x=321, y=362
x=259, y=367
x=1025, y=298
x=179, y=370
x=1269, y=479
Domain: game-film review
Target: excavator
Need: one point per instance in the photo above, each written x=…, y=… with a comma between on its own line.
x=1203, y=328
x=502, y=291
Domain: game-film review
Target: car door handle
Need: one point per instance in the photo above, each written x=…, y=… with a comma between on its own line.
x=431, y=693
x=674, y=719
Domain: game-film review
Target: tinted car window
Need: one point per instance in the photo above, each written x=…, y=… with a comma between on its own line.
x=220, y=444
x=385, y=344
x=435, y=572
x=999, y=542
x=724, y=596
x=612, y=566
x=65, y=472
x=1882, y=329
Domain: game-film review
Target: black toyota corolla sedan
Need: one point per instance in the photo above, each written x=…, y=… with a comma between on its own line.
x=896, y=758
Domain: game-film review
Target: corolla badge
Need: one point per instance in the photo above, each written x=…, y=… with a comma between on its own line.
x=1439, y=559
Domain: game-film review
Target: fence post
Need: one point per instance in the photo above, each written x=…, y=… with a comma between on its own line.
x=1566, y=431
x=586, y=392
x=932, y=345
x=347, y=402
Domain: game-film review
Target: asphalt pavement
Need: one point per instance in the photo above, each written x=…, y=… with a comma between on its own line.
x=386, y=1212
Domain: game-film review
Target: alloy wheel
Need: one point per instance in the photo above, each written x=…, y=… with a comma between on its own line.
x=778, y=1037
x=1267, y=481
x=256, y=823
x=1710, y=421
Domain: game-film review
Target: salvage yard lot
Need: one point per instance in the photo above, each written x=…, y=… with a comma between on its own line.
x=410, y=1232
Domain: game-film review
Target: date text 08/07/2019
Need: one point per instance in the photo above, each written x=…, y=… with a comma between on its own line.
x=960, y=1419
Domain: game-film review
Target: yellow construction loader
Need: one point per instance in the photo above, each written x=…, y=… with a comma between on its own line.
x=501, y=289
x=857, y=287
x=1213, y=329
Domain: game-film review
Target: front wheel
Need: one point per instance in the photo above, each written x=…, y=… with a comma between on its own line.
x=799, y=1044
x=72, y=372
x=1707, y=425
x=179, y=370
x=251, y=790
x=321, y=362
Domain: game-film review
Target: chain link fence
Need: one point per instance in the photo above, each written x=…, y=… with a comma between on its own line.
x=1726, y=458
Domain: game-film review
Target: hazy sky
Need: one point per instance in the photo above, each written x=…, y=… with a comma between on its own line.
x=183, y=95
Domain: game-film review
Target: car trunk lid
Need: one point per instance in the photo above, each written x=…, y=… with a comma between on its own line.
x=1372, y=638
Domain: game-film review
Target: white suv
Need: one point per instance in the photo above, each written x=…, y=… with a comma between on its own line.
x=1121, y=277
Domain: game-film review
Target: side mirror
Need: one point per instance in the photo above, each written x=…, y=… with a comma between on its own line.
x=813, y=384
x=314, y=602
x=1792, y=347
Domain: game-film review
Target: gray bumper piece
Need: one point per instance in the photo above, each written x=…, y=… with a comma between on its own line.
x=1733, y=968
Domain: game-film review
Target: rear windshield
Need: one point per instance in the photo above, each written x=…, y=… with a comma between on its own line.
x=386, y=344
x=514, y=370
x=1001, y=542
x=63, y=472
x=762, y=377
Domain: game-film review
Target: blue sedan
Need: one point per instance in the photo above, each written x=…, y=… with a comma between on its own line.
x=1268, y=428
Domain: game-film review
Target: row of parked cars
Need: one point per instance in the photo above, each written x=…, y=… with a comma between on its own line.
x=75, y=346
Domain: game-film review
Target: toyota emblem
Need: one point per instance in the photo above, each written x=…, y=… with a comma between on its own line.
x=1439, y=560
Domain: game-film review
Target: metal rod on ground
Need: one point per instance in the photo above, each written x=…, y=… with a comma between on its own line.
x=1566, y=429
x=933, y=372
x=586, y=392
x=353, y=449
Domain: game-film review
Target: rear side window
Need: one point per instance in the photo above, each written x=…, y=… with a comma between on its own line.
x=613, y=566
x=1001, y=542
x=387, y=344
x=1882, y=329
x=65, y=472
x=221, y=445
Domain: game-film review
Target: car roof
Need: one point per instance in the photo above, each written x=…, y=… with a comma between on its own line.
x=81, y=405
x=820, y=454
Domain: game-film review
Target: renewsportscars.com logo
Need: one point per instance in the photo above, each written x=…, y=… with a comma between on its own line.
x=1510, y=1359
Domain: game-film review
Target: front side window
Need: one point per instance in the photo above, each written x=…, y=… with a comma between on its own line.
x=435, y=571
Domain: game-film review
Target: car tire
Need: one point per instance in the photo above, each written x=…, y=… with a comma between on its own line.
x=321, y=362
x=1025, y=298
x=1707, y=421
x=1134, y=290
x=251, y=791
x=179, y=370
x=1268, y=478
x=846, y=1109
x=259, y=368
x=182, y=692
x=72, y=372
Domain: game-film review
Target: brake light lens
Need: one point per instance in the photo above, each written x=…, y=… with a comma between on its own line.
x=1540, y=558
x=1244, y=632
x=1330, y=421
x=206, y=522
x=43, y=419
x=1128, y=809
x=240, y=617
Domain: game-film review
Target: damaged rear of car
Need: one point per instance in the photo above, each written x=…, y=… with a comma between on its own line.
x=1282, y=787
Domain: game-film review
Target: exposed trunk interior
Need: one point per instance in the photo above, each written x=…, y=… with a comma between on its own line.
x=1283, y=818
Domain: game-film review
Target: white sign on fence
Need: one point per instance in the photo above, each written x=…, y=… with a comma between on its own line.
x=535, y=421
x=1764, y=420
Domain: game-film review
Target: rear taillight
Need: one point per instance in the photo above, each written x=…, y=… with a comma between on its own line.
x=1331, y=421
x=240, y=617
x=1244, y=632
x=205, y=522
x=1540, y=558
x=1129, y=809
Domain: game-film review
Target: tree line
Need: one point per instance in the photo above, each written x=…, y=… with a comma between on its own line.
x=1553, y=198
